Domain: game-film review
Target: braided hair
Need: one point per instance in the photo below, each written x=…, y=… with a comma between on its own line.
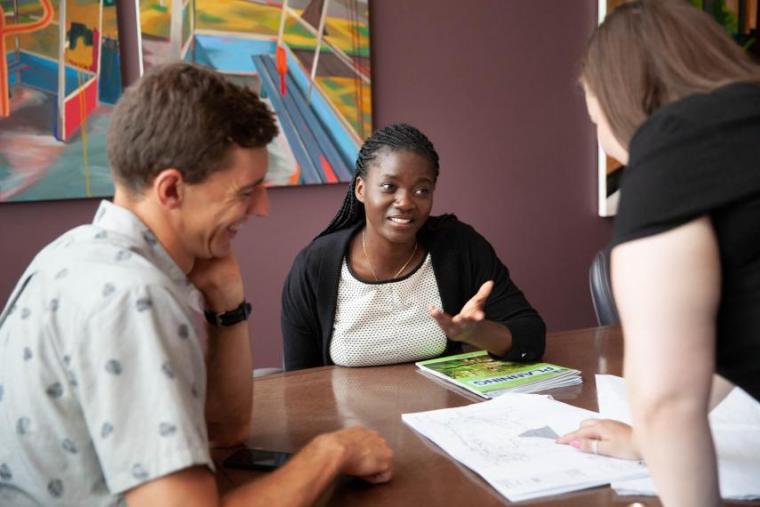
x=392, y=138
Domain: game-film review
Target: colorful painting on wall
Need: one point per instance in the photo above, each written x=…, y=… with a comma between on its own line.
x=740, y=18
x=59, y=79
x=309, y=59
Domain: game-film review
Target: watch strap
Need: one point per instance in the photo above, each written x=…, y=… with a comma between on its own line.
x=229, y=318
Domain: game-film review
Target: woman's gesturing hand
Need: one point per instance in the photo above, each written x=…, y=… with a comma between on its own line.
x=459, y=327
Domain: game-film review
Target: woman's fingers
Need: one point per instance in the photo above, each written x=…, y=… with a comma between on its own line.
x=584, y=432
x=603, y=436
x=468, y=318
x=591, y=446
x=471, y=313
x=444, y=320
x=603, y=447
x=437, y=312
x=595, y=446
x=439, y=315
x=476, y=302
x=483, y=293
x=454, y=326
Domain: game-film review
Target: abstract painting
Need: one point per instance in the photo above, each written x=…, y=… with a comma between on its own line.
x=740, y=18
x=59, y=79
x=309, y=59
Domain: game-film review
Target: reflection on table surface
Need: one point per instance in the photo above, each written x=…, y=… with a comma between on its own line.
x=291, y=408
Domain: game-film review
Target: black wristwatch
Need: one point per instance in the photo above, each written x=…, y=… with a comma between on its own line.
x=231, y=317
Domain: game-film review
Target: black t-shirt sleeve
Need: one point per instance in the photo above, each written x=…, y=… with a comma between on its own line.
x=670, y=179
x=683, y=165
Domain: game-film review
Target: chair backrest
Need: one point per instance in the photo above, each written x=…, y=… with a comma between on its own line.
x=601, y=289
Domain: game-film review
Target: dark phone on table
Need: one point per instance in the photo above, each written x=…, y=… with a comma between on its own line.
x=256, y=459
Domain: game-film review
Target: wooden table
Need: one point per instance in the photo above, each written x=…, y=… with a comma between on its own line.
x=291, y=408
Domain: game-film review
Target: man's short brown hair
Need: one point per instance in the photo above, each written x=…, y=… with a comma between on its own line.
x=186, y=117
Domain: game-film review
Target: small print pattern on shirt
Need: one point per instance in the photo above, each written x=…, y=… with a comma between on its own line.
x=102, y=375
x=386, y=322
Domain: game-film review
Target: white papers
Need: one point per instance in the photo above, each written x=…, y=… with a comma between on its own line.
x=737, y=409
x=735, y=425
x=509, y=441
x=612, y=399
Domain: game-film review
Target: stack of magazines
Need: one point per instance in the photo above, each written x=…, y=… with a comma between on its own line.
x=487, y=377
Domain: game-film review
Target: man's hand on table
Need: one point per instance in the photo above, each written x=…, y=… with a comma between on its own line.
x=363, y=453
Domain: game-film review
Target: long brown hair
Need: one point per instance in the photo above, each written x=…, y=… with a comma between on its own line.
x=649, y=53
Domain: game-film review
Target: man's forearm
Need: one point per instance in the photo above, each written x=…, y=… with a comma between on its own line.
x=229, y=397
x=299, y=483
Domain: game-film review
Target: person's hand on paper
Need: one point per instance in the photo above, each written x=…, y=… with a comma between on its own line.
x=603, y=436
x=459, y=327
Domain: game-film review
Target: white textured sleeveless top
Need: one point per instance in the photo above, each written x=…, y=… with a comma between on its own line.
x=386, y=322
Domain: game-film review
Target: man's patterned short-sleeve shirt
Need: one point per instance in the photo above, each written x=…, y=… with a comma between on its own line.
x=102, y=374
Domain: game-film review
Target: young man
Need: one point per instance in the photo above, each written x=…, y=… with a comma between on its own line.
x=112, y=383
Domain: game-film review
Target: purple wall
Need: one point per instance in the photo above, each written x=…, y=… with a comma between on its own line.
x=494, y=87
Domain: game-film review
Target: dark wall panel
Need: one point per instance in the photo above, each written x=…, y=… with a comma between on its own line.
x=494, y=84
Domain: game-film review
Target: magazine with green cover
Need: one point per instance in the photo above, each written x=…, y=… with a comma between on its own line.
x=479, y=373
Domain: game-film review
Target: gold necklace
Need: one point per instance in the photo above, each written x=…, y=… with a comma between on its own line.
x=374, y=275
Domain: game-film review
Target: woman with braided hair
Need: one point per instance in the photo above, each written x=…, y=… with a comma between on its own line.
x=387, y=283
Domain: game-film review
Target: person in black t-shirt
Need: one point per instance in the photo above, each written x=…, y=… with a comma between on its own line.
x=678, y=102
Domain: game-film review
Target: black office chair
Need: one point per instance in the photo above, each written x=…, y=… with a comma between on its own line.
x=601, y=290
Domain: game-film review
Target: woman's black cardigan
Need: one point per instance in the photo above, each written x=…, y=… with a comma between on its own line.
x=462, y=261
